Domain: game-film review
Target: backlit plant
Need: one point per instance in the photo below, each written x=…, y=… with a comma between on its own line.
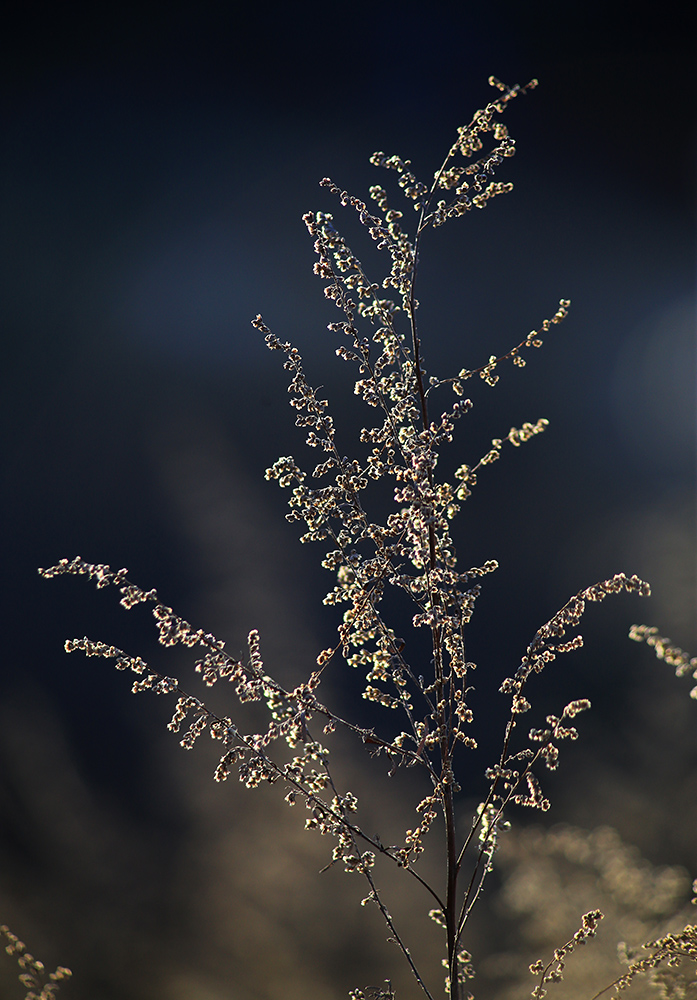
x=411, y=552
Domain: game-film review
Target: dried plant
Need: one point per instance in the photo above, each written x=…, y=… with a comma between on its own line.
x=38, y=984
x=427, y=687
x=673, y=655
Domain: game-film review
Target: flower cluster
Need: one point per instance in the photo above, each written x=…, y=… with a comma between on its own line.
x=553, y=972
x=663, y=963
x=664, y=650
x=33, y=978
x=545, y=646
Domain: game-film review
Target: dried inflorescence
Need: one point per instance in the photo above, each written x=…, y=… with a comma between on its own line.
x=553, y=971
x=664, y=650
x=544, y=647
x=38, y=984
x=669, y=963
x=411, y=550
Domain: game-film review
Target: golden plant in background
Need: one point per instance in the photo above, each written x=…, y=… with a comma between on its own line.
x=549, y=876
x=427, y=685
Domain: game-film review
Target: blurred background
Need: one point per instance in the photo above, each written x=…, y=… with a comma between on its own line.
x=157, y=161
